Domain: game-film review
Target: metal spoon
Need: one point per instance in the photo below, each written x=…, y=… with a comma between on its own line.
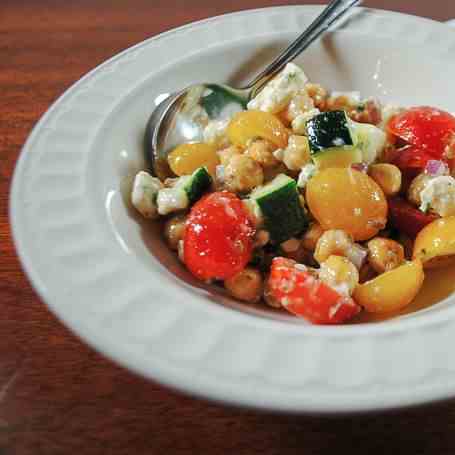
x=176, y=120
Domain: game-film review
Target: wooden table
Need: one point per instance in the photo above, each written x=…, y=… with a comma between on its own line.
x=56, y=394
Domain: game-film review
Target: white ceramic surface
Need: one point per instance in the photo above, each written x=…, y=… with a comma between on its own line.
x=109, y=277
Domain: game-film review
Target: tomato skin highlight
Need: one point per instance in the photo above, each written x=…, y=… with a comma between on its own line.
x=428, y=128
x=218, y=240
x=304, y=295
x=407, y=218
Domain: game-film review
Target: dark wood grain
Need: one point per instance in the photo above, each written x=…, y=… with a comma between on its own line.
x=59, y=396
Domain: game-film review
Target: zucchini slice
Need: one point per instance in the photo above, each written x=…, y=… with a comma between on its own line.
x=196, y=184
x=332, y=140
x=371, y=140
x=329, y=130
x=338, y=157
x=186, y=191
x=279, y=202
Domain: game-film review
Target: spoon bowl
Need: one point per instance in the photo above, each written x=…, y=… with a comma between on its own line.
x=182, y=117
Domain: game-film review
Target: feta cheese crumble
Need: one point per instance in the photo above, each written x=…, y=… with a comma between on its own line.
x=371, y=140
x=171, y=199
x=215, y=132
x=144, y=194
x=174, y=198
x=278, y=92
x=439, y=195
x=299, y=123
x=305, y=174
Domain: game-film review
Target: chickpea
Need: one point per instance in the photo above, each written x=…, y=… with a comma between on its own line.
x=319, y=95
x=340, y=274
x=297, y=153
x=299, y=104
x=243, y=174
x=387, y=176
x=332, y=242
x=261, y=238
x=311, y=236
x=261, y=151
x=369, y=111
x=339, y=243
x=384, y=254
x=291, y=245
x=174, y=229
x=226, y=154
x=339, y=103
x=416, y=187
x=246, y=285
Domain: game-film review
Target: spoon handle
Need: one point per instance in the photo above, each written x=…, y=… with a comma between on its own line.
x=332, y=13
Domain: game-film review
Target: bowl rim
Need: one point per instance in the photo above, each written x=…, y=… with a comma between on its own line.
x=392, y=327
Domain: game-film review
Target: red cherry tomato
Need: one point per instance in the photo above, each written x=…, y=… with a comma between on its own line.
x=412, y=157
x=218, y=239
x=411, y=160
x=406, y=218
x=426, y=127
x=304, y=295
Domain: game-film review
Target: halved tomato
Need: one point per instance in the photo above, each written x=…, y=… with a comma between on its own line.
x=218, y=240
x=407, y=218
x=305, y=295
x=428, y=128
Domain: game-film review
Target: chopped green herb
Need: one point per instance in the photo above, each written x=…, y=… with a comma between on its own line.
x=292, y=76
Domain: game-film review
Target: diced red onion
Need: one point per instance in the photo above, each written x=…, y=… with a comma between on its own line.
x=435, y=168
x=362, y=167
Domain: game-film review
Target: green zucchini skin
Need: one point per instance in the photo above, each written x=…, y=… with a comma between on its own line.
x=329, y=130
x=199, y=182
x=279, y=202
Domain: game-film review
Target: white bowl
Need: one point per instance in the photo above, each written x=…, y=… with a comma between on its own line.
x=109, y=276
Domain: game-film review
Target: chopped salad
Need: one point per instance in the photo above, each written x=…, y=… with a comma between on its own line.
x=322, y=204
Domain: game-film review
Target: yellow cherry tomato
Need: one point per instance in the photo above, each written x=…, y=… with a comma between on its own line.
x=347, y=199
x=391, y=291
x=248, y=125
x=435, y=243
x=186, y=158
